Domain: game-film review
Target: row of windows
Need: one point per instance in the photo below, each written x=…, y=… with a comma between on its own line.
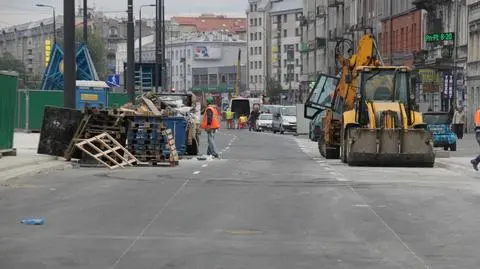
x=255, y=64
x=178, y=54
x=280, y=18
x=298, y=32
x=256, y=22
x=179, y=70
x=258, y=64
x=212, y=79
x=255, y=50
x=258, y=78
x=256, y=36
x=403, y=39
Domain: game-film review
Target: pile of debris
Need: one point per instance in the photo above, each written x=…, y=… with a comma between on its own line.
x=127, y=136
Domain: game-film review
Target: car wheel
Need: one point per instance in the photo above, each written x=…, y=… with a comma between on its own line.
x=445, y=148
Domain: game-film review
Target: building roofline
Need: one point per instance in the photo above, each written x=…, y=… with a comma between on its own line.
x=385, y=18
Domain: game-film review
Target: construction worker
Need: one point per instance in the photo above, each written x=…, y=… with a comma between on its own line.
x=210, y=123
x=476, y=119
x=229, y=118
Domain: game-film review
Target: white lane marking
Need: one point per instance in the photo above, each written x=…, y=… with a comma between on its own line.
x=362, y=205
x=342, y=179
x=142, y=233
x=227, y=148
x=196, y=172
x=204, y=165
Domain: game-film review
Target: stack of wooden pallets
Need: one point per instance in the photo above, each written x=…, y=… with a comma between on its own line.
x=150, y=141
x=94, y=123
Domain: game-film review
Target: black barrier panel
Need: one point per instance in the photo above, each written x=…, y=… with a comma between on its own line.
x=58, y=127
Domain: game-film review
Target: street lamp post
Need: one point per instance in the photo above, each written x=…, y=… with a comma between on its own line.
x=140, y=33
x=54, y=23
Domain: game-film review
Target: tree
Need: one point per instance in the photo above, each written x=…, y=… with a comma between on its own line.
x=96, y=46
x=274, y=90
x=8, y=62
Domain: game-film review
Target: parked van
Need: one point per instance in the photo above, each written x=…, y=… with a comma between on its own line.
x=243, y=106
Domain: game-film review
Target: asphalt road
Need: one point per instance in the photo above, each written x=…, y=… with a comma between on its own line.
x=270, y=202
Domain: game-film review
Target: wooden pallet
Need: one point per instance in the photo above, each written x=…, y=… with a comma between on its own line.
x=109, y=156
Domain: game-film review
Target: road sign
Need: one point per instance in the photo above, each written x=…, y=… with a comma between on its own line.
x=114, y=80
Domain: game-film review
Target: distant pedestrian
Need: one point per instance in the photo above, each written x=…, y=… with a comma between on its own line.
x=211, y=123
x=476, y=119
x=458, y=121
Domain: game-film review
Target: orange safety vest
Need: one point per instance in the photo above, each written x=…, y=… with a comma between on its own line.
x=477, y=118
x=215, y=120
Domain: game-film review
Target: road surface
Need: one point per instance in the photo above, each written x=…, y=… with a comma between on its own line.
x=271, y=202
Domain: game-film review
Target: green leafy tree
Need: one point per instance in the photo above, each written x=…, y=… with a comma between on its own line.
x=97, y=47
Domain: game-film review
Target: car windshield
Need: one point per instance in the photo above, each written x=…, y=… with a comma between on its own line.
x=379, y=85
x=289, y=111
x=442, y=118
x=265, y=117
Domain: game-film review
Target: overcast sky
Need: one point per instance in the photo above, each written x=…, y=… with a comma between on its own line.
x=21, y=11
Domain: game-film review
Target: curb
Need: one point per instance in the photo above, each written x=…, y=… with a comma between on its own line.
x=32, y=169
x=36, y=162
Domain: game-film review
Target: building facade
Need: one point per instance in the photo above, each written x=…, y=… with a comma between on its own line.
x=442, y=61
x=203, y=62
x=286, y=60
x=473, y=60
x=258, y=37
x=27, y=43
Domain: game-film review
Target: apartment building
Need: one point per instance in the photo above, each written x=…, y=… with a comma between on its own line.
x=286, y=61
x=26, y=42
x=258, y=42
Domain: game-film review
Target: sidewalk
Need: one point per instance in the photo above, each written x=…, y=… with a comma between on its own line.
x=27, y=160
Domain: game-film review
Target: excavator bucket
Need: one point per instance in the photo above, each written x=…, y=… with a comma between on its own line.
x=390, y=147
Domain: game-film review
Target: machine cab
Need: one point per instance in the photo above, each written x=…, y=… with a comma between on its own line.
x=322, y=96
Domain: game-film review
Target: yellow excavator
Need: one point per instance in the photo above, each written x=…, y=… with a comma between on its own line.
x=368, y=112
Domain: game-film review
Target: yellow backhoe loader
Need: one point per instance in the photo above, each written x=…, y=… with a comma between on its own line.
x=378, y=124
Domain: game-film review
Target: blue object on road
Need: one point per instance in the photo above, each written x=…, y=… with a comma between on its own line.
x=178, y=125
x=33, y=221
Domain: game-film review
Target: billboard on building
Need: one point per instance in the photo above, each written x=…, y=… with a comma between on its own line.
x=202, y=52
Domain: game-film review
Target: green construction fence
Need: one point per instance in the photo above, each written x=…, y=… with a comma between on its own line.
x=31, y=103
x=8, y=102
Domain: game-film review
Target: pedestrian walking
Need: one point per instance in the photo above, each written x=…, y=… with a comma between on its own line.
x=458, y=121
x=476, y=119
x=211, y=123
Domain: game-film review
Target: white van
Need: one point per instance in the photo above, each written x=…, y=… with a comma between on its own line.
x=243, y=106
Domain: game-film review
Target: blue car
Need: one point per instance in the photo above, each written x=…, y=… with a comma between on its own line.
x=438, y=123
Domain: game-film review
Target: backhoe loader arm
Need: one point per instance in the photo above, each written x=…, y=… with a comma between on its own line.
x=364, y=56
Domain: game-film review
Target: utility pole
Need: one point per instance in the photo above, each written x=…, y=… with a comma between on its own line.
x=315, y=42
x=163, y=80
x=185, y=66
x=69, y=53
x=157, y=43
x=130, y=53
x=391, y=32
x=85, y=22
x=453, y=101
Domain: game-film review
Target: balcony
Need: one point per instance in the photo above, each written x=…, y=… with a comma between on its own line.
x=335, y=3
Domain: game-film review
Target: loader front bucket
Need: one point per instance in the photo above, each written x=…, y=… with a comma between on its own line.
x=390, y=147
